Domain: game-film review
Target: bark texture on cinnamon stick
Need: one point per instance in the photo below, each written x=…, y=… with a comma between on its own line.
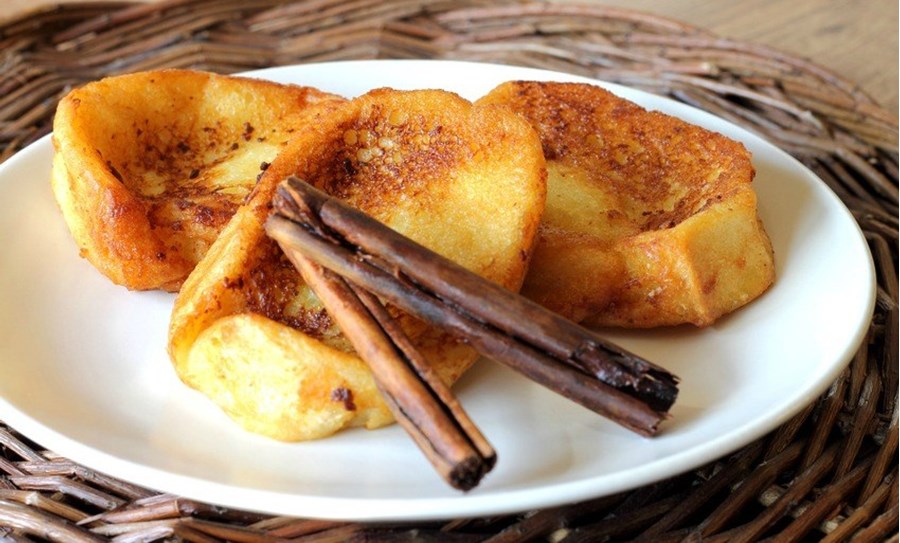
x=422, y=404
x=500, y=324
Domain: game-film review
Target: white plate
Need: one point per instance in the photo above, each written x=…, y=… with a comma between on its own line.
x=84, y=370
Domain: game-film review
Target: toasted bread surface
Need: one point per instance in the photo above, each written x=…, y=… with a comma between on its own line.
x=150, y=166
x=650, y=220
x=467, y=182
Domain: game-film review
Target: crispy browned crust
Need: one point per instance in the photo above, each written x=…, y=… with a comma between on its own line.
x=650, y=220
x=150, y=166
x=468, y=182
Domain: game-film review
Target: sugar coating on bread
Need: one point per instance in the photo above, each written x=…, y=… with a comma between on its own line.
x=650, y=220
x=467, y=182
x=149, y=167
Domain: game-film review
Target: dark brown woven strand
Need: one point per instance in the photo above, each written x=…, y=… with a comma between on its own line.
x=828, y=474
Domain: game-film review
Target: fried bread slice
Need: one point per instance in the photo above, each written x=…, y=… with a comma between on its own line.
x=150, y=166
x=650, y=220
x=468, y=182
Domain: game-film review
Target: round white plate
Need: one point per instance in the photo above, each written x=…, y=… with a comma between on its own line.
x=84, y=370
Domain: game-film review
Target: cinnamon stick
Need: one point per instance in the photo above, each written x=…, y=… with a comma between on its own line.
x=502, y=325
x=422, y=404
x=509, y=312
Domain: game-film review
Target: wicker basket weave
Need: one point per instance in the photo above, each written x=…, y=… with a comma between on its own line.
x=828, y=474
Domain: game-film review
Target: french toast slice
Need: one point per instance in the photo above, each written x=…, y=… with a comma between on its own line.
x=650, y=221
x=150, y=166
x=467, y=182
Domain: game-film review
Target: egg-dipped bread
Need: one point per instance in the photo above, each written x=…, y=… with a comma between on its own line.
x=148, y=167
x=465, y=181
x=650, y=220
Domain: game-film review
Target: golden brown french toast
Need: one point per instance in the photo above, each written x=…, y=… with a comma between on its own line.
x=467, y=182
x=150, y=166
x=650, y=220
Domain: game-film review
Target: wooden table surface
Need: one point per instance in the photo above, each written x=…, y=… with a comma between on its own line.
x=856, y=39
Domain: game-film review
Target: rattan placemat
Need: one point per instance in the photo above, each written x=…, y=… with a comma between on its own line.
x=828, y=474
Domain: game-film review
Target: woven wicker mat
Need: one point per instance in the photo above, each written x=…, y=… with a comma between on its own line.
x=829, y=474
